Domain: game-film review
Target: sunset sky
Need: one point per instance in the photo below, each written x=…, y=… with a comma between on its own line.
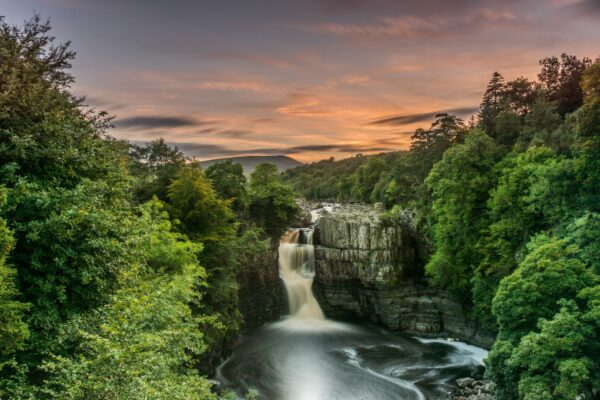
x=306, y=78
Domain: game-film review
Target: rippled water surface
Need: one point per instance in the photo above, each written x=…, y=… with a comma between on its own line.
x=304, y=359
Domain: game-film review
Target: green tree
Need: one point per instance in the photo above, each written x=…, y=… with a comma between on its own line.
x=144, y=342
x=366, y=178
x=557, y=361
x=508, y=126
x=492, y=103
x=541, y=128
x=272, y=204
x=536, y=190
x=72, y=246
x=551, y=270
x=587, y=141
x=194, y=202
x=561, y=78
x=206, y=218
x=460, y=185
x=13, y=330
x=45, y=132
x=561, y=360
x=67, y=206
x=520, y=95
x=445, y=131
x=584, y=232
x=154, y=165
x=229, y=182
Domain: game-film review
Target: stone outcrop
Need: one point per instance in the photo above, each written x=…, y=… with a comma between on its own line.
x=261, y=295
x=368, y=268
x=471, y=389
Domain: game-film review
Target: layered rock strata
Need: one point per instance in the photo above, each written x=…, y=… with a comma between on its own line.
x=369, y=268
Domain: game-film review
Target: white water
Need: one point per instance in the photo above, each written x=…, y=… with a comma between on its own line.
x=297, y=270
x=307, y=357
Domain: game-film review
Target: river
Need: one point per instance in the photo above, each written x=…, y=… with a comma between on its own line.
x=308, y=357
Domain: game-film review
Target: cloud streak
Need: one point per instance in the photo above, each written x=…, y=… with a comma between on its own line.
x=408, y=119
x=150, y=122
x=408, y=27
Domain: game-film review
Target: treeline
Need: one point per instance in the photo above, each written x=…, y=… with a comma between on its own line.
x=510, y=203
x=117, y=262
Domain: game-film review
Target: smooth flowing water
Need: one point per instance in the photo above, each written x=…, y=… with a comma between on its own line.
x=297, y=270
x=307, y=357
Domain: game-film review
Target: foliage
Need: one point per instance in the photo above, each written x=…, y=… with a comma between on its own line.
x=154, y=166
x=460, y=185
x=544, y=344
x=389, y=178
x=206, y=218
x=115, y=306
x=272, y=204
x=72, y=246
x=228, y=180
x=561, y=360
x=43, y=130
x=552, y=270
x=584, y=232
x=534, y=192
x=142, y=343
x=561, y=80
x=194, y=202
x=13, y=330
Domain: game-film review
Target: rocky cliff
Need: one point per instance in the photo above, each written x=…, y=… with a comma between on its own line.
x=261, y=295
x=371, y=268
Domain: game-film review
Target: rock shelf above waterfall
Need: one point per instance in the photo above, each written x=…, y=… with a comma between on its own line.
x=353, y=242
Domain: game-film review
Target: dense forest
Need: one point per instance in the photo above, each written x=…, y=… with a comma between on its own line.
x=117, y=262
x=510, y=203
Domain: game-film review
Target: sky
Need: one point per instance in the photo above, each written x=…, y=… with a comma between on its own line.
x=311, y=79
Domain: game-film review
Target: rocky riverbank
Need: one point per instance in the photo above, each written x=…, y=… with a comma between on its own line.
x=472, y=389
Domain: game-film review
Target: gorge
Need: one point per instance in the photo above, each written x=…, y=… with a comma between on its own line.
x=364, y=271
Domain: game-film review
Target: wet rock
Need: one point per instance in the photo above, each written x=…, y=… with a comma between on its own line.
x=215, y=386
x=261, y=294
x=303, y=218
x=471, y=389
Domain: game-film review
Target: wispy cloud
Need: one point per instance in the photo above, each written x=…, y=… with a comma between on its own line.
x=151, y=122
x=589, y=7
x=412, y=26
x=421, y=117
x=262, y=59
x=233, y=85
x=303, y=105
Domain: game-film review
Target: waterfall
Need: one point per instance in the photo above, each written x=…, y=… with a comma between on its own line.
x=297, y=270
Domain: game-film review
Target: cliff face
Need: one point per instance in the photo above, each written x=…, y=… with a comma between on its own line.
x=371, y=269
x=261, y=295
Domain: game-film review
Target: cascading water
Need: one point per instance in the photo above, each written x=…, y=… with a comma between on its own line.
x=297, y=271
x=306, y=357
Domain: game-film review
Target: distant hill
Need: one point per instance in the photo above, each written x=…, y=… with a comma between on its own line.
x=283, y=163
